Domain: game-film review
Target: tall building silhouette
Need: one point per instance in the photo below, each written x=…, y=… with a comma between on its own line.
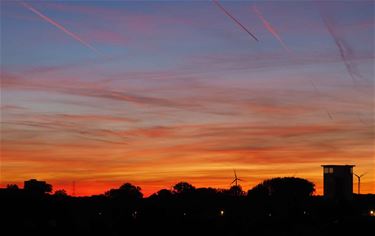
x=338, y=182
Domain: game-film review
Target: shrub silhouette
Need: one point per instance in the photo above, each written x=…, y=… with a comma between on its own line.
x=283, y=188
x=12, y=187
x=235, y=190
x=183, y=188
x=60, y=193
x=127, y=191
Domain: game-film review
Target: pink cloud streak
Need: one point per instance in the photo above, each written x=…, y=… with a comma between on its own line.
x=269, y=27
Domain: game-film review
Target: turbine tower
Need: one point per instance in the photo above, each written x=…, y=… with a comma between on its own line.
x=235, y=180
x=359, y=182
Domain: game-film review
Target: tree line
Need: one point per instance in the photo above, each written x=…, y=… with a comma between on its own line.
x=275, y=187
x=281, y=206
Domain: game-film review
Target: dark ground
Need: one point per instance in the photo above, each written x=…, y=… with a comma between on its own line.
x=197, y=213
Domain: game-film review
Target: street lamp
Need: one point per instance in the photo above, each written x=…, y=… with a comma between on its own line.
x=222, y=213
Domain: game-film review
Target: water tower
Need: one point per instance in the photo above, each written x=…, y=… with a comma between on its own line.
x=338, y=182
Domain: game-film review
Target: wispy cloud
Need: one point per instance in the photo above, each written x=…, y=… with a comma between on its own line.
x=269, y=27
x=345, y=51
x=272, y=61
x=90, y=89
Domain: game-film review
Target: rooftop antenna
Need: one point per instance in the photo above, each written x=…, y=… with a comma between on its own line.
x=359, y=182
x=235, y=180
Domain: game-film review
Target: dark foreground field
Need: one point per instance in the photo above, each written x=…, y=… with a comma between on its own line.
x=202, y=212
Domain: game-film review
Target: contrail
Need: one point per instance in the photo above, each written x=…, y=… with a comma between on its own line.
x=329, y=114
x=318, y=93
x=360, y=119
x=343, y=49
x=315, y=88
x=234, y=19
x=62, y=28
x=269, y=27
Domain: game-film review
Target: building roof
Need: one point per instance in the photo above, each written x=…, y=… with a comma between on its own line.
x=338, y=166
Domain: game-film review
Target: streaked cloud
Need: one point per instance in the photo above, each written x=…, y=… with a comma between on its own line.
x=269, y=27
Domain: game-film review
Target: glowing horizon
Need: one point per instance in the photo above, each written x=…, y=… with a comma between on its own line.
x=179, y=92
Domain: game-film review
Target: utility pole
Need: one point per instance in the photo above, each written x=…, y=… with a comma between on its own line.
x=74, y=189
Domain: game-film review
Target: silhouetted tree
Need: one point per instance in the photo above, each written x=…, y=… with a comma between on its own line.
x=164, y=193
x=282, y=197
x=126, y=190
x=12, y=187
x=183, y=187
x=235, y=190
x=60, y=193
x=286, y=187
x=207, y=192
x=37, y=187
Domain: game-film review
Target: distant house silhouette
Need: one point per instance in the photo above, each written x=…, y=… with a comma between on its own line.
x=338, y=182
x=37, y=187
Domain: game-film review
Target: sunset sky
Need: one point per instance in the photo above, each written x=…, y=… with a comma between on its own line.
x=153, y=93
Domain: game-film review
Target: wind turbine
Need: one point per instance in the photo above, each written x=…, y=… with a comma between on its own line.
x=235, y=179
x=359, y=181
